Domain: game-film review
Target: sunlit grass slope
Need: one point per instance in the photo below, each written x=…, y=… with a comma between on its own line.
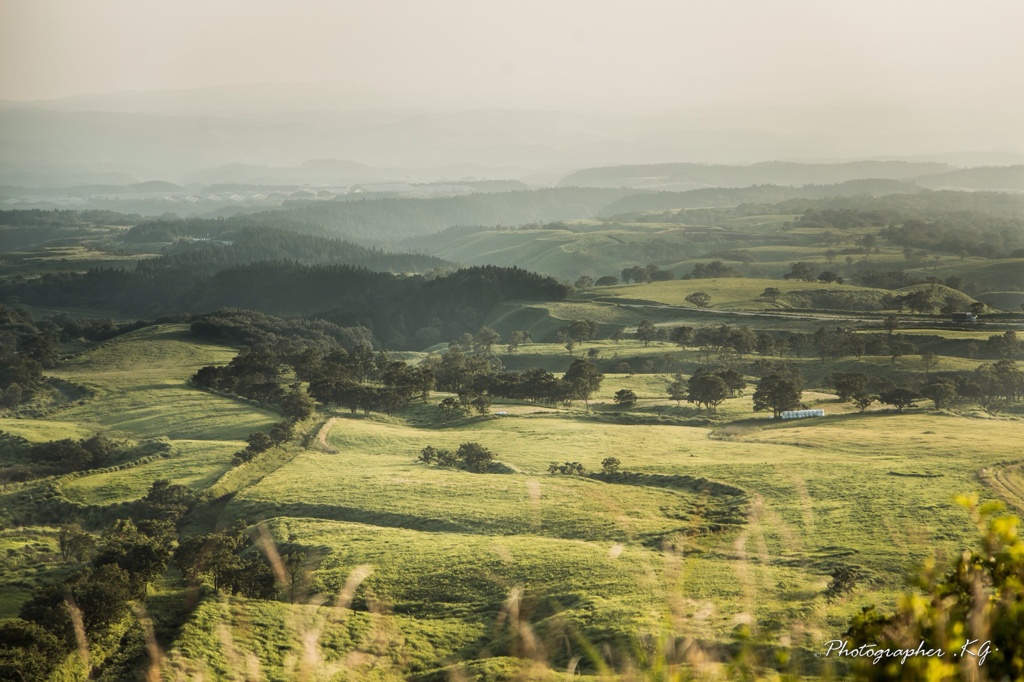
x=140, y=384
x=195, y=463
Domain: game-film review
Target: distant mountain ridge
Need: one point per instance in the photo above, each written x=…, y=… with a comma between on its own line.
x=768, y=172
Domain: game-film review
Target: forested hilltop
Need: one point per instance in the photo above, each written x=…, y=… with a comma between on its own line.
x=397, y=308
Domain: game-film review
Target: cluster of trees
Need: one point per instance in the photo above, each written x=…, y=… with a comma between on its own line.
x=740, y=340
x=111, y=572
x=356, y=378
x=229, y=559
x=24, y=229
x=890, y=279
x=1007, y=346
x=808, y=272
x=252, y=244
x=401, y=311
x=586, y=281
x=779, y=390
x=567, y=468
x=975, y=235
x=844, y=218
x=985, y=224
x=254, y=373
x=68, y=455
x=603, y=281
x=37, y=217
x=258, y=441
x=252, y=328
x=648, y=273
x=471, y=457
x=474, y=380
x=26, y=349
x=987, y=385
x=711, y=270
x=97, y=596
x=609, y=466
x=362, y=380
x=578, y=331
x=707, y=387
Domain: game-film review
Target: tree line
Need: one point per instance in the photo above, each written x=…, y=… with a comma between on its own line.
x=401, y=311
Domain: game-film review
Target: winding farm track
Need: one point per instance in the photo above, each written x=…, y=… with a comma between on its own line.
x=321, y=437
x=1007, y=481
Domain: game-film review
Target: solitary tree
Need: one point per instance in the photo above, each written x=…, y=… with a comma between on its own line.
x=583, y=379
x=625, y=398
x=486, y=338
x=899, y=346
x=517, y=338
x=682, y=336
x=776, y=393
x=74, y=542
x=708, y=389
x=450, y=407
x=474, y=457
x=677, y=390
x=863, y=401
x=700, y=299
x=646, y=332
x=482, y=404
x=610, y=465
x=899, y=397
x=940, y=391
x=929, y=360
x=848, y=385
x=297, y=567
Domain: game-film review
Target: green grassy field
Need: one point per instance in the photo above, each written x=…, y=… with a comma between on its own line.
x=140, y=388
x=739, y=520
x=740, y=293
x=43, y=429
x=195, y=463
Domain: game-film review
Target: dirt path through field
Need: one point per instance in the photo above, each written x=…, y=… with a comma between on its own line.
x=1007, y=481
x=321, y=437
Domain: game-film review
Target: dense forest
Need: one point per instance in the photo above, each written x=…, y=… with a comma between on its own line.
x=396, y=308
x=254, y=244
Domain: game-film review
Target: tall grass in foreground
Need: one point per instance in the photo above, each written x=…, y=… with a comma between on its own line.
x=980, y=600
x=529, y=638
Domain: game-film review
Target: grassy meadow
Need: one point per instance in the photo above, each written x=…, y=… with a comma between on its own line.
x=726, y=520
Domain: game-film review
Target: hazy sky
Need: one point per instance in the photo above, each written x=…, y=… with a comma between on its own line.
x=569, y=54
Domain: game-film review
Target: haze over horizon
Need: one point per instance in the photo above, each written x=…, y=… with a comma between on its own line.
x=513, y=89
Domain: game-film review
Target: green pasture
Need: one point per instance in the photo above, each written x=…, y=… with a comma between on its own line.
x=732, y=519
x=874, y=490
x=37, y=430
x=140, y=384
x=742, y=293
x=29, y=556
x=195, y=463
